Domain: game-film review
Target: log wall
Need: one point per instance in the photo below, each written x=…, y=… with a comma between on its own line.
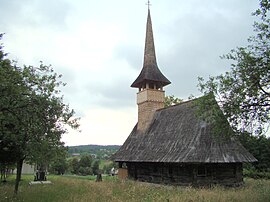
x=228, y=174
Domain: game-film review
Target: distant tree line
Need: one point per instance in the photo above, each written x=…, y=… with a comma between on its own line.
x=84, y=165
x=81, y=165
x=98, y=151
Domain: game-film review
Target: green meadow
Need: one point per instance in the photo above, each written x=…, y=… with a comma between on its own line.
x=70, y=188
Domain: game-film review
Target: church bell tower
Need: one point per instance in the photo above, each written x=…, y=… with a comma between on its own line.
x=150, y=82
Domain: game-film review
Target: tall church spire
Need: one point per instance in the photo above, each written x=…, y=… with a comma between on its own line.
x=149, y=48
x=150, y=82
x=150, y=73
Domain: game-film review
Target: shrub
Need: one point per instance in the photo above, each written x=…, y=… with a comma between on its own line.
x=252, y=173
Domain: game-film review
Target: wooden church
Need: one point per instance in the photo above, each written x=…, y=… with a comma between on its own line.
x=172, y=145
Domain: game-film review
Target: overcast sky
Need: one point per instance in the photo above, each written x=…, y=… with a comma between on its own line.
x=98, y=48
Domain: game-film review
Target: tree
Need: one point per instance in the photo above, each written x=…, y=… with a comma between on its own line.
x=74, y=165
x=86, y=161
x=85, y=165
x=8, y=153
x=172, y=100
x=81, y=166
x=243, y=93
x=259, y=147
x=59, y=164
x=95, y=167
x=59, y=167
x=85, y=171
x=32, y=113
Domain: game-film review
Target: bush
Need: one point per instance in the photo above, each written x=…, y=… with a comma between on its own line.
x=252, y=173
x=85, y=171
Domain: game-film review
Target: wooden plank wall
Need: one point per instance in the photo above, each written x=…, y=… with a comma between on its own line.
x=229, y=174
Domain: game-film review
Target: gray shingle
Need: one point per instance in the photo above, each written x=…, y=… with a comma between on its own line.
x=177, y=135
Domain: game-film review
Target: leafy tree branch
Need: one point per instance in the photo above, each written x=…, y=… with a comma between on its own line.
x=243, y=93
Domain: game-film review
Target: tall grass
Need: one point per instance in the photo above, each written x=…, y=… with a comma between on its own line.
x=111, y=189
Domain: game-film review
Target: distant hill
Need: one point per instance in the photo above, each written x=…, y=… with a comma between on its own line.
x=98, y=151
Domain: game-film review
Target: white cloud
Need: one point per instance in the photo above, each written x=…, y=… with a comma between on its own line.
x=103, y=126
x=98, y=47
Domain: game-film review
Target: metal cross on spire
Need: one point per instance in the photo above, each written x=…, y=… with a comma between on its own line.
x=148, y=4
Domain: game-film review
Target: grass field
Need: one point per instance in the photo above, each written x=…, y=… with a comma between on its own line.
x=68, y=188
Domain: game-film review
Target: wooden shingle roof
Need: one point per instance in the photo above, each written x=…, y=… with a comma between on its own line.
x=150, y=72
x=177, y=135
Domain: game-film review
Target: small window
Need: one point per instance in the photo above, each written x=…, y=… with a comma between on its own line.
x=201, y=171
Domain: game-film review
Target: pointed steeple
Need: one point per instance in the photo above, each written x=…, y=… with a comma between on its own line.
x=149, y=48
x=150, y=82
x=150, y=73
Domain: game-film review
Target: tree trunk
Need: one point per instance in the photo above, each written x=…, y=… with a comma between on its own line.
x=2, y=173
x=5, y=174
x=18, y=175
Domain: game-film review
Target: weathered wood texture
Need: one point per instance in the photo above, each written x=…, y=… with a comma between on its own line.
x=228, y=174
x=150, y=72
x=122, y=173
x=177, y=135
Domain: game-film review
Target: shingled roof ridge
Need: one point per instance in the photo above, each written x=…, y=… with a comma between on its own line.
x=181, y=103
